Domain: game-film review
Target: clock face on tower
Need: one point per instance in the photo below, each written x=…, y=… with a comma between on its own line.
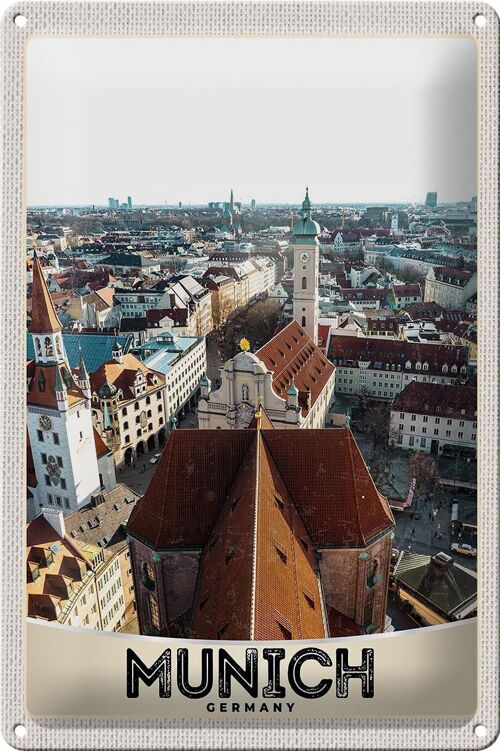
x=304, y=256
x=45, y=422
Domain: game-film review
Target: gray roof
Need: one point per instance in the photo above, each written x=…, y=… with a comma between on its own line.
x=107, y=520
x=447, y=591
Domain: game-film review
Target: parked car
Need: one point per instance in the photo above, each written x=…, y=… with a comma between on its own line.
x=155, y=459
x=464, y=548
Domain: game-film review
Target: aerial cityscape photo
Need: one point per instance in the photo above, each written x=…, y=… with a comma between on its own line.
x=251, y=397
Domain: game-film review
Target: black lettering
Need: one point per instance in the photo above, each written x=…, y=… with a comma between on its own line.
x=246, y=677
x=294, y=677
x=160, y=671
x=207, y=674
x=365, y=672
x=273, y=690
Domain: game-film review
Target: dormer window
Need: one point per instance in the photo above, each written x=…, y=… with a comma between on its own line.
x=41, y=382
x=453, y=368
x=408, y=365
x=425, y=366
x=418, y=366
x=444, y=368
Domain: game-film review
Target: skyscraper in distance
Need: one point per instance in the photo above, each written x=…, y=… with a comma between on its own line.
x=431, y=200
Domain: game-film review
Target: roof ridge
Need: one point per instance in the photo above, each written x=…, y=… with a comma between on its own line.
x=258, y=440
x=354, y=477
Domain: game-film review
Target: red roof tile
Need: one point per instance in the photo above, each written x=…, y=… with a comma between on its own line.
x=382, y=352
x=292, y=357
x=43, y=313
x=437, y=398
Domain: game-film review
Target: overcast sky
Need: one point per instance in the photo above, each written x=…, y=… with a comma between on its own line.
x=164, y=120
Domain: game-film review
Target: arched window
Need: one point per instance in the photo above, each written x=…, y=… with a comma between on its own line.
x=303, y=321
x=38, y=346
x=49, y=351
x=304, y=282
x=147, y=575
x=58, y=345
x=154, y=613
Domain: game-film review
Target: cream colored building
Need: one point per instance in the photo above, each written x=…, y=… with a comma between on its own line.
x=289, y=377
x=128, y=407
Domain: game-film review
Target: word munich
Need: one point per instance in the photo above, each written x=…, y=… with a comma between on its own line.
x=230, y=671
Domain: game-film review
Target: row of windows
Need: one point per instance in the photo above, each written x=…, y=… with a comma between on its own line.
x=57, y=500
x=41, y=437
x=437, y=420
x=136, y=404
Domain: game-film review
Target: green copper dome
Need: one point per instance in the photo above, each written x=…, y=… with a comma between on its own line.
x=306, y=224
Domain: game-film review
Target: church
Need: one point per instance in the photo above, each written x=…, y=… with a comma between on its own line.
x=63, y=464
x=289, y=376
x=261, y=534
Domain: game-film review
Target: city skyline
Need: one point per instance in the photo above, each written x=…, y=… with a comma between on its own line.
x=396, y=130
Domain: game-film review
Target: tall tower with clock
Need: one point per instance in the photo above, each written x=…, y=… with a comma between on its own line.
x=306, y=270
x=59, y=414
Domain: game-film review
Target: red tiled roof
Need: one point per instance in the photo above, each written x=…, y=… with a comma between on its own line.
x=292, y=357
x=178, y=315
x=122, y=375
x=396, y=352
x=258, y=503
x=330, y=486
x=100, y=447
x=42, y=387
x=459, y=274
x=269, y=542
x=363, y=293
x=188, y=488
x=407, y=290
x=323, y=331
x=437, y=398
x=427, y=310
x=43, y=313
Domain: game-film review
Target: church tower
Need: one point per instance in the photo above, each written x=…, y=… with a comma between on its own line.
x=306, y=270
x=59, y=414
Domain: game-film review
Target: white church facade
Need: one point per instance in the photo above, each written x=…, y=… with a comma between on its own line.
x=290, y=377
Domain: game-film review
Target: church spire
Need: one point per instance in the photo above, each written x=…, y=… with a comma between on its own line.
x=231, y=200
x=306, y=205
x=44, y=318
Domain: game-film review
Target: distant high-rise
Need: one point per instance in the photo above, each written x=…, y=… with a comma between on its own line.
x=431, y=200
x=253, y=204
x=129, y=202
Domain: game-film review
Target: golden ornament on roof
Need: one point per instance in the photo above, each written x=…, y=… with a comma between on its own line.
x=245, y=345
